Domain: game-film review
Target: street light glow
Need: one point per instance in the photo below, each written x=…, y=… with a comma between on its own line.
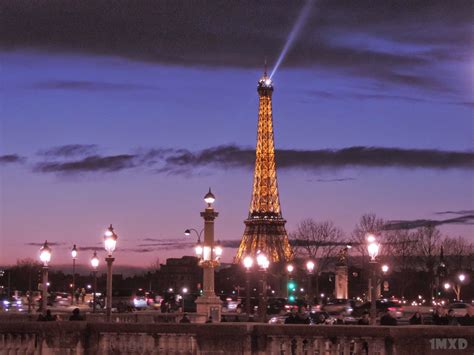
x=447, y=286
x=209, y=198
x=370, y=238
x=45, y=253
x=384, y=268
x=310, y=266
x=74, y=252
x=110, y=240
x=462, y=277
x=248, y=262
x=290, y=268
x=373, y=249
x=95, y=261
x=263, y=261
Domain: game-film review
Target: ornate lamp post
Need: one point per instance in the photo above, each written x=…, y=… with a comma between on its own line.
x=263, y=263
x=209, y=254
x=45, y=257
x=95, y=265
x=74, y=256
x=373, y=250
x=289, y=270
x=310, y=268
x=110, y=241
x=184, y=292
x=248, y=263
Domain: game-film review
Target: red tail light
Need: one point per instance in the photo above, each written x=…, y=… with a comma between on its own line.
x=392, y=309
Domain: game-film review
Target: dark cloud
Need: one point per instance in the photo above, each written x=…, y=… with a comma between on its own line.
x=335, y=180
x=240, y=34
x=467, y=219
x=181, y=161
x=89, y=86
x=94, y=163
x=51, y=244
x=69, y=150
x=461, y=212
x=11, y=158
x=230, y=156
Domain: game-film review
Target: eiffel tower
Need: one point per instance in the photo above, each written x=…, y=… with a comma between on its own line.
x=265, y=227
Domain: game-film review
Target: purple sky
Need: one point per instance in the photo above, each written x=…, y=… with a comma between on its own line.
x=126, y=114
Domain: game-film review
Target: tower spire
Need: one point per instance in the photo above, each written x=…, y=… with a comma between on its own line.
x=265, y=226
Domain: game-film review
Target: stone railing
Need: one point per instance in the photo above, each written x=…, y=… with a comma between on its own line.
x=230, y=338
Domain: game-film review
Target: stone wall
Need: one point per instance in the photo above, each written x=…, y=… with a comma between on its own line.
x=60, y=337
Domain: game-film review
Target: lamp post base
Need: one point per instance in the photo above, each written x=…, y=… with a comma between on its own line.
x=211, y=306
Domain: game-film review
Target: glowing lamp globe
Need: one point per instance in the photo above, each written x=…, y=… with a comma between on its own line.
x=447, y=286
x=198, y=250
x=185, y=290
x=218, y=251
x=248, y=262
x=45, y=253
x=110, y=240
x=187, y=232
x=384, y=268
x=209, y=198
x=263, y=261
x=74, y=252
x=310, y=266
x=290, y=268
x=95, y=261
x=370, y=238
x=462, y=277
x=373, y=249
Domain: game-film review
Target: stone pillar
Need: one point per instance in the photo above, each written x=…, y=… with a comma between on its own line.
x=209, y=303
x=341, y=282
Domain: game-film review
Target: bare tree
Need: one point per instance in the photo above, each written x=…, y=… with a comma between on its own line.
x=403, y=249
x=459, y=251
x=319, y=241
x=369, y=223
x=428, y=242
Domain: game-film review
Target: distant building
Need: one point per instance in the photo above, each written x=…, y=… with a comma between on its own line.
x=179, y=273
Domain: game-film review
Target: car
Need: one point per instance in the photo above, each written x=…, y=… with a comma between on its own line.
x=341, y=306
x=62, y=299
x=382, y=306
x=460, y=309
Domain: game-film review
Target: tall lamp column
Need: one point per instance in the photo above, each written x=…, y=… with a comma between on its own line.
x=263, y=263
x=95, y=265
x=248, y=262
x=74, y=256
x=373, y=250
x=310, y=268
x=45, y=257
x=110, y=241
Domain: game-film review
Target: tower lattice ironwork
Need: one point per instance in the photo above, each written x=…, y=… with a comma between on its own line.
x=265, y=227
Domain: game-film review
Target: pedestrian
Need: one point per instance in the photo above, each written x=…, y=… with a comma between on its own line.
x=185, y=319
x=365, y=319
x=303, y=317
x=83, y=295
x=77, y=294
x=416, y=319
x=452, y=320
x=292, y=318
x=388, y=319
x=48, y=317
x=76, y=315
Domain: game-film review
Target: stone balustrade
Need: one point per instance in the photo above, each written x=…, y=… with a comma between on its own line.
x=64, y=337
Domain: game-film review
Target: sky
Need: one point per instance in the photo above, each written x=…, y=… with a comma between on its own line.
x=127, y=112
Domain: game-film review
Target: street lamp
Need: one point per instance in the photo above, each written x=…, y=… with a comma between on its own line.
x=263, y=263
x=373, y=250
x=110, y=242
x=45, y=257
x=209, y=253
x=74, y=256
x=95, y=265
x=248, y=263
x=289, y=270
x=385, y=268
x=310, y=268
x=184, y=291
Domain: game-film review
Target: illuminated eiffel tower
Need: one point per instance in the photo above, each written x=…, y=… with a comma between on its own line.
x=265, y=227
